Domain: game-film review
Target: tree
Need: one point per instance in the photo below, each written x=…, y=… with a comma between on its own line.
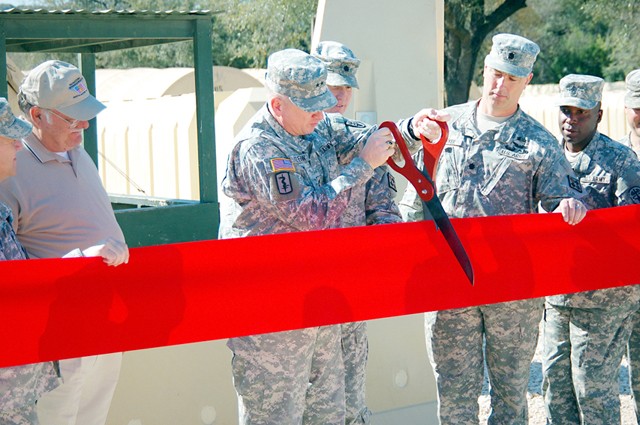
x=580, y=37
x=466, y=27
x=245, y=32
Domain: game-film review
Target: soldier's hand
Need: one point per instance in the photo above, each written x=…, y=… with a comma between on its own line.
x=572, y=210
x=378, y=148
x=112, y=251
x=423, y=123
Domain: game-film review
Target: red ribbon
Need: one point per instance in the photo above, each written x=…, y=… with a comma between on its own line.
x=197, y=291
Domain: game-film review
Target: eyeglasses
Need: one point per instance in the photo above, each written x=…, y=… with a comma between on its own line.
x=72, y=123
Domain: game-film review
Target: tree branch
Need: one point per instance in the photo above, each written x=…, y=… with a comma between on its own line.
x=491, y=21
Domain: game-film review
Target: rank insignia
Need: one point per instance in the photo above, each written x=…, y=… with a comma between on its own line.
x=391, y=181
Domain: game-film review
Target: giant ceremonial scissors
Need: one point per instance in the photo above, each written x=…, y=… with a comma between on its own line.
x=424, y=184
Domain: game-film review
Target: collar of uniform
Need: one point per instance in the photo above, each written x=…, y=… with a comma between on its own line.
x=511, y=127
x=503, y=131
x=298, y=144
x=587, y=154
x=42, y=154
x=5, y=213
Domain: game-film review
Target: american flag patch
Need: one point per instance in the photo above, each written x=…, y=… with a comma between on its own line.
x=78, y=86
x=282, y=164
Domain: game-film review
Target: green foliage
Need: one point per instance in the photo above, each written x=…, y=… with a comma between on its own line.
x=578, y=36
x=245, y=32
x=248, y=31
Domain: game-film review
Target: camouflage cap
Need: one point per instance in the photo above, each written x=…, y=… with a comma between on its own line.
x=581, y=91
x=340, y=61
x=10, y=125
x=512, y=54
x=300, y=77
x=632, y=98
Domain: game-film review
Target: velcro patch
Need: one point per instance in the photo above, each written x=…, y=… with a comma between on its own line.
x=282, y=164
x=391, y=181
x=596, y=179
x=283, y=181
x=520, y=154
x=634, y=194
x=355, y=124
x=574, y=184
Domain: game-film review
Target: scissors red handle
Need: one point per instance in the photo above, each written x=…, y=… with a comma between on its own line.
x=432, y=150
x=423, y=184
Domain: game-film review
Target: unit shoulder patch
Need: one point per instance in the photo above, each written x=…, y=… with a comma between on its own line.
x=634, y=194
x=283, y=182
x=574, y=184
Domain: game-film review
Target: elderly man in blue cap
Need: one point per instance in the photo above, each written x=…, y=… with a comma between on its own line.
x=20, y=386
x=497, y=161
x=586, y=333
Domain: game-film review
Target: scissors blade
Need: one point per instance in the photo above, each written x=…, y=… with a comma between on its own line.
x=434, y=208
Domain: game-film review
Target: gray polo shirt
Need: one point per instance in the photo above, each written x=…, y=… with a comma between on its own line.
x=58, y=204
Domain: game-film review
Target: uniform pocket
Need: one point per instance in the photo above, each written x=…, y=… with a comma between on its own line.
x=495, y=167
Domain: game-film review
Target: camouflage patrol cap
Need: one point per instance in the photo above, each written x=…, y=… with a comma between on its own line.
x=11, y=126
x=340, y=61
x=632, y=98
x=300, y=77
x=581, y=91
x=512, y=54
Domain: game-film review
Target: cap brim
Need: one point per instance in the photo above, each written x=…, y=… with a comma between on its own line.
x=632, y=100
x=321, y=102
x=510, y=69
x=576, y=102
x=18, y=129
x=334, y=79
x=84, y=110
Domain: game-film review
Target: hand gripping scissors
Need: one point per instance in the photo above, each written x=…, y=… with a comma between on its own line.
x=425, y=186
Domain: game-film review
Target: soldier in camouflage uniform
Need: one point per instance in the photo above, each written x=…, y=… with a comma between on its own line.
x=282, y=176
x=497, y=161
x=632, y=111
x=586, y=334
x=377, y=196
x=20, y=386
x=610, y=175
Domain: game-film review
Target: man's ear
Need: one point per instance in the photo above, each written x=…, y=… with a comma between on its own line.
x=36, y=115
x=275, y=104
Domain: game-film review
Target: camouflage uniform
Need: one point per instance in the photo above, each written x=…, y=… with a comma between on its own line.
x=305, y=190
x=626, y=142
x=508, y=169
x=20, y=386
x=380, y=208
x=278, y=183
x=504, y=171
x=342, y=65
x=632, y=100
x=586, y=334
